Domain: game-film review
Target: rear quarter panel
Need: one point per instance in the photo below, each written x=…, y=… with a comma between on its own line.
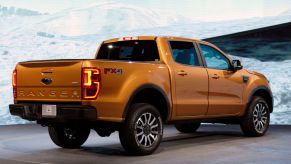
x=120, y=79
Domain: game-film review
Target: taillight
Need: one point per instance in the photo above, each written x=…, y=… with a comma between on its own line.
x=14, y=83
x=91, y=78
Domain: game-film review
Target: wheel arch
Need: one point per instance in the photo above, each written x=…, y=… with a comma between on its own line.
x=263, y=92
x=152, y=94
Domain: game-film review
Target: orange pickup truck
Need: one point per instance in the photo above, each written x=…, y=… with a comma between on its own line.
x=135, y=85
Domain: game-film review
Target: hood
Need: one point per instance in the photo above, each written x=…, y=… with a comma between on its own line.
x=256, y=73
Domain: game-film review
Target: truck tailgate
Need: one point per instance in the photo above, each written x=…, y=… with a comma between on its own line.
x=52, y=80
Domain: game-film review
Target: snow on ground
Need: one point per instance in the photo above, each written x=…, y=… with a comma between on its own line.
x=75, y=33
x=278, y=74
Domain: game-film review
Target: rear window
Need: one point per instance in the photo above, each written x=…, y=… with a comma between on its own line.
x=134, y=50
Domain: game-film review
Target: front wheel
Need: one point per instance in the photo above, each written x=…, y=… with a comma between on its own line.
x=68, y=136
x=142, y=131
x=257, y=118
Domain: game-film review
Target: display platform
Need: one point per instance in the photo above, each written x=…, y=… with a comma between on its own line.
x=211, y=144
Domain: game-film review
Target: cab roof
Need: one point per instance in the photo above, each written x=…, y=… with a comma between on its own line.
x=153, y=37
x=150, y=38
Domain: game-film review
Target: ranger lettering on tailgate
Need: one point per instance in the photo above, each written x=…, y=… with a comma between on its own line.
x=49, y=93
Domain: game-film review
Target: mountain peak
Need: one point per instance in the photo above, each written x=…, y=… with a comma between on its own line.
x=8, y=11
x=109, y=17
x=286, y=12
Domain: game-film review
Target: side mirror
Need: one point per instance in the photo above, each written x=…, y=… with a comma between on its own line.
x=236, y=65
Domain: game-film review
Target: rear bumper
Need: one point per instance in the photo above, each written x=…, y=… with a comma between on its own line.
x=33, y=112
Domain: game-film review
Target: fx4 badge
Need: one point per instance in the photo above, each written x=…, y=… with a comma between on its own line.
x=117, y=71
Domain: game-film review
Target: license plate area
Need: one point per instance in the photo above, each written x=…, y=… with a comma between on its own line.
x=48, y=110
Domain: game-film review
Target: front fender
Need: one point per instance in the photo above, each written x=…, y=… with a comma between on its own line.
x=254, y=85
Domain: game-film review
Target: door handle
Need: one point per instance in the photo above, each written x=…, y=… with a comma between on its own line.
x=215, y=76
x=182, y=73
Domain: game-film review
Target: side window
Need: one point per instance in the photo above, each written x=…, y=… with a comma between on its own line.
x=214, y=59
x=184, y=53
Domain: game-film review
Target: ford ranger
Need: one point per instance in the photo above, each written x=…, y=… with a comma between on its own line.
x=135, y=85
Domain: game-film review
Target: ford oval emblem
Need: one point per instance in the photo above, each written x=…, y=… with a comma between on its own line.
x=46, y=81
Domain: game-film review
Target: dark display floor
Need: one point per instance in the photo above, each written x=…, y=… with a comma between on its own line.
x=211, y=144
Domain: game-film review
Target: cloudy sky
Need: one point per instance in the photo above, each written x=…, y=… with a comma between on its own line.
x=206, y=10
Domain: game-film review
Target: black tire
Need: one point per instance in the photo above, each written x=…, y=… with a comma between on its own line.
x=189, y=127
x=257, y=118
x=136, y=133
x=68, y=136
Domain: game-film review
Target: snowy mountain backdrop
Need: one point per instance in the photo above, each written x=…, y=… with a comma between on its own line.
x=75, y=33
x=8, y=11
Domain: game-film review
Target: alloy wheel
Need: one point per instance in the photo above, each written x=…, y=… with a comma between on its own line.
x=147, y=129
x=260, y=117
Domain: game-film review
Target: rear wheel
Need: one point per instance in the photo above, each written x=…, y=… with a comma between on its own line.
x=68, y=136
x=189, y=127
x=142, y=131
x=257, y=118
